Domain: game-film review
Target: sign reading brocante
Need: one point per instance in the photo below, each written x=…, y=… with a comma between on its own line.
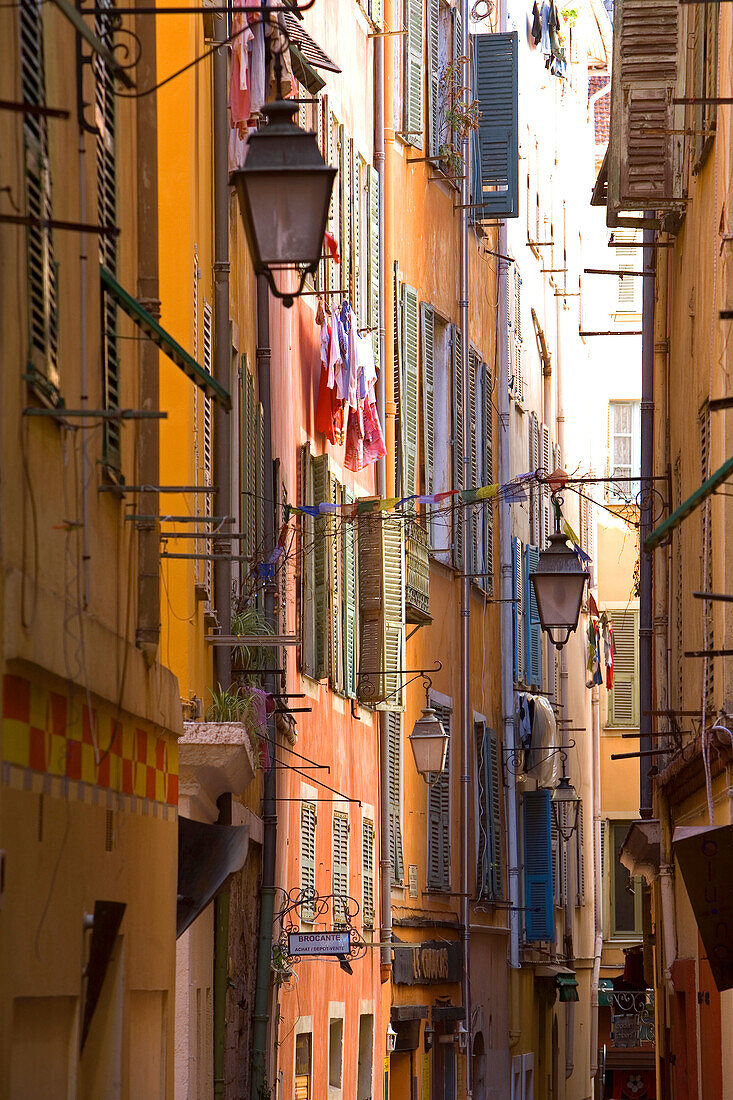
x=318, y=943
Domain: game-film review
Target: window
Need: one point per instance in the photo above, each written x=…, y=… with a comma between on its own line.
x=496, y=179
x=622, y=891
x=578, y=843
x=489, y=878
x=42, y=365
x=629, y=286
x=335, y=1052
x=303, y=1063
x=413, y=77
x=624, y=449
x=394, y=749
x=439, y=816
x=308, y=856
x=367, y=873
x=340, y=869
x=623, y=699
x=539, y=917
x=515, y=350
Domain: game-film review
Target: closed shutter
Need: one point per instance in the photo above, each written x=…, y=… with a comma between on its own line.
x=308, y=858
x=207, y=439
x=414, y=73
x=580, y=859
x=457, y=449
x=489, y=870
x=373, y=208
x=260, y=439
x=546, y=517
x=433, y=33
x=535, y=490
x=488, y=478
x=349, y=601
x=518, y=610
x=340, y=869
x=336, y=593
x=394, y=610
x=356, y=185
x=439, y=816
x=555, y=844
x=532, y=618
x=539, y=919
x=604, y=864
x=399, y=458
x=496, y=90
x=346, y=154
x=249, y=461
x=427, y=332
x=381, y=606
x=321, y=565
x=367, y=873
x=409, y=391
x=375, y=13
x=394, y=783
x=308, y=648
x=623, y=699
x=474, y=363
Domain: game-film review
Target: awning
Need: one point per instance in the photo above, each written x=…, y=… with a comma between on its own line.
x=705, y=857
x=207, y=856
x=170, y=347
x=640, y=849
x=567, y=987
x=687, y=507
x=307, y=48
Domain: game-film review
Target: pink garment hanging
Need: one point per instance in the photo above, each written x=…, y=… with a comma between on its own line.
x=374, y=445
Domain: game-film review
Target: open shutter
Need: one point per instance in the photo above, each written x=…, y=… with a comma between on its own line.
x=307, y=568
x=473, y=474
x=623, y=699
x=356, y=185
x=518, y=610
x=394, y=782
x=427, y=332
x=539, y=919
x=321, y=561
x=373, y=208
x=490, y=878
x=375, y=13
x=439, y=817
x=308, y=858
x=433, y=29
x=393, y=572
x=399, y=457
x=414, y=73
x=409, y=392
x=532, y=617
x=580, y=860
x=496, y=91
x=367, y=873
x=546, y=516
x=332, y=269
x=336, y=593
x=381, y=604
x=534, y=489
x=260, y=437
x=349, y=601
x=497, y=874
x=488, y=478
x=458, y=444
x=340, y=869
x=346, y=153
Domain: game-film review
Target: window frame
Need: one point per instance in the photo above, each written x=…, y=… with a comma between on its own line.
x=611, y=933
x=617, y=494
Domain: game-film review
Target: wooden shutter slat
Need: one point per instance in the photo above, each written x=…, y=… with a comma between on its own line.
x=427, y=333
x=308, y=857
x=414, y=64
x=458, y=444
x=433, y=35
x=409, y=390
x=496, y=89
x=373, y=244
x=321, y=570
x=539, y=920
x=349, y=601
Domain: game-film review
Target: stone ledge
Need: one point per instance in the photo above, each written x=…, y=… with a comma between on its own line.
x=217, y=756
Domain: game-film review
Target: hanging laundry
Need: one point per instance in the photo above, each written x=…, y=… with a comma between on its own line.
x=328, y=406
x=536, y=31
x=545, y=15
x=607, y=632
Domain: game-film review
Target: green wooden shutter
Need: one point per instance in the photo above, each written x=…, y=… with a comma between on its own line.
x=345, y=174
x=409, y=391
x=439, y=817
x=393, y=572
x=336, y=601
x=375, y=13
x=427, y=332
x=488, y=478
x=321, y=570
x=399, y=457
x=367, y=873
x=433, y=32
x=340, y=869
x=381, y=565
x=373, y=243
x=349, y=601
x=539, y=918
x=473, y=474
x=394, y=782
x=580, y=859
x=490, y=882
x=532, y=620
x=496, y=91
x=260, y=437
x=308, y=858
x=308, y=649
x=414, y=73
x=457, y=448
x=356, y=188
x=623, y=699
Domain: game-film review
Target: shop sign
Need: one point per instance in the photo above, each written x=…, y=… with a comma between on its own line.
x=432, y=963
x=318, y=943
x=705, y=857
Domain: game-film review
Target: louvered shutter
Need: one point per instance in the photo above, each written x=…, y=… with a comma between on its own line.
x=456, y=55
x=346, y=151
x=604, y=885
x=427, y=332
x=373, y=207
x=539, y=918
x=260, y=437
x=623, y=699
x=518, y=378
x=458, y=444
x=308, y=858
x=496, y=91
x=490, y=877
x=349, y=601
x=534, y=490
x=580, y=859
x=642, y=173
x=321, y=570
x=381, y=606
x=518, y=610
x=488, y=478
x=399, y=457
x=394, y=783
x=308, y=650
x=546, y=516
x=333, y=224
x=356, y=185
x=340, y=869
x=336, y=592
x=367, y=873
x=473, y=478
x=394, y=610
x=409, y=391
x=433, y=33
x=439, y=817
x=556, y=863
x=249, y=458
x=532, y=618
x=111, y=449
x=375, y=13
x=414, y=73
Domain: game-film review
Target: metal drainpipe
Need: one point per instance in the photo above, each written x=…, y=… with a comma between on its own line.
x=221, y=964
x=646, y=517
x=466, y=714
x=222, y=351
x=147, y=633
x=261, y=1014
x=597, y=879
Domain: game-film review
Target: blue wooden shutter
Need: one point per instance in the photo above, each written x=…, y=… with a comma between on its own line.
x=539, y=922
x=532, y=619
x=518, y=610
x=496, y=91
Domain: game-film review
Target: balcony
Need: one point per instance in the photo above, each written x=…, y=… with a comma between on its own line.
x=417, y=574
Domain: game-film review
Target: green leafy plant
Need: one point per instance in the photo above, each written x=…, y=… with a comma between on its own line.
x=251, y=621
x=570, y=14
x=228, y=705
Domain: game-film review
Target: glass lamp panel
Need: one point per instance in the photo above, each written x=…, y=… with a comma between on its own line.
x=559, y=597
x=288, y=212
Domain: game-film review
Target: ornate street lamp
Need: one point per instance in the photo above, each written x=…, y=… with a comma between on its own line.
x=559, y=582
x=284, y=193
x=565, y=802
x=429, y=743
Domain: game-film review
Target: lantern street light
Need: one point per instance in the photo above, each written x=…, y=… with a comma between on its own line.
x=284, y=192
x=429, y=741
x=565, y=801
x=559, y=582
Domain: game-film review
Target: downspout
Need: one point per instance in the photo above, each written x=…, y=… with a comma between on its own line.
x=466, y=714
x=261, y=1014
x=597, y=879
x=221, y=963
x=147, y=633
x=222, y=351
x=646, y=517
